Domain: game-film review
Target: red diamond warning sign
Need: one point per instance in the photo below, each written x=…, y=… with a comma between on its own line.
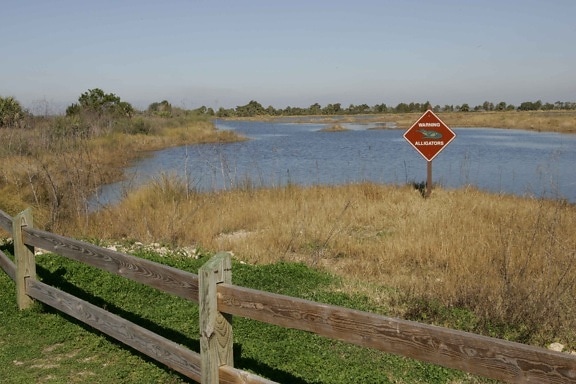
x=429, y=135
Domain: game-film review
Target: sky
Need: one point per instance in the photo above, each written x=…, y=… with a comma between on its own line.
x=287, y=53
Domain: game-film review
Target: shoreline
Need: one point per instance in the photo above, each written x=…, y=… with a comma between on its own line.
x=540, y=121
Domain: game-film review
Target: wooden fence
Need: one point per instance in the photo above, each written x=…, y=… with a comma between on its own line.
x=218, y=300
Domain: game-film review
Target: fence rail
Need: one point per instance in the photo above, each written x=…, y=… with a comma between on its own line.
x=219, y=300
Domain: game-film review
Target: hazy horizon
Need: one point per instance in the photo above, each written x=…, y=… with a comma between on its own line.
x=225, y=53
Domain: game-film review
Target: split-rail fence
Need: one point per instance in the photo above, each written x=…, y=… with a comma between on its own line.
x=219, y=299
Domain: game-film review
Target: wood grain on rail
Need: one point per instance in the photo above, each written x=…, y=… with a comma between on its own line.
x=479, y=355
x=5, y=222
x=159, y=276
x=7, y=265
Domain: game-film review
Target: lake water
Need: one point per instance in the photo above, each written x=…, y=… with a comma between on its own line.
x=498, y=160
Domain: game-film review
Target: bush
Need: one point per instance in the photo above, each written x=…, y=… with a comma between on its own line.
x=134, y=127
x=98, y=103
x=11, y=113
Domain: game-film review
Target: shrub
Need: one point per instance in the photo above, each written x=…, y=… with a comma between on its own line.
x=11, y=113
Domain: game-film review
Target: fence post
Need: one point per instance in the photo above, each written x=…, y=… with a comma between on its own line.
x=24, y=258
x=215, y=327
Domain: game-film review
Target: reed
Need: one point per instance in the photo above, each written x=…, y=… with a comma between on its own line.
x=508, y=260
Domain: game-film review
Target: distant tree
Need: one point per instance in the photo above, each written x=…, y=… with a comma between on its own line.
x=332, y=109
x=530, y=106
x=488, y=106
x=363, y=108
x=201, y=110
x=357, y=109
x=315, y=109
x=558, y=105
x=73, y=109
x=11, y=113
x=538, y=105
x=402, y=108
x=501, y=106
x=223, y=112
x=253, y=108
x=337, y=107
x=298, y=111
x=163, y=108
x=96, y=102
x=526, y=106
x=124, y=109
x=380, y=108
x=464, y=108
x=564, y=105
x=448, y=108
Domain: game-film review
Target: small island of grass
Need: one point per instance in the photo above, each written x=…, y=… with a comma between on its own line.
x=334, y=128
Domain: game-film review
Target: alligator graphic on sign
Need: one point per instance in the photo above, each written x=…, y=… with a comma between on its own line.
x=429, y=135
x=432, y=135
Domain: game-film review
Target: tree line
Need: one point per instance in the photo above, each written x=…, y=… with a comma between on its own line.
x=97, y=103
x=254, y=108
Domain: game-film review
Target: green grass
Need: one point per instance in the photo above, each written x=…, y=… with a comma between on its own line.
x=43, y=346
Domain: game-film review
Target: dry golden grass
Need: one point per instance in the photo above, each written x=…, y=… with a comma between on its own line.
x=50, y=167
x=506, y=258
x=334, y=128
x=550, y=121
x=128, y=147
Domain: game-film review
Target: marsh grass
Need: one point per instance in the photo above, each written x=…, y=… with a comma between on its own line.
x=549, y=121
x=508, y=261
x=334, y=128
x=57, y=164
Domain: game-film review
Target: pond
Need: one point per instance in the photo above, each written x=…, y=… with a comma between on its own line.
x=520, y=162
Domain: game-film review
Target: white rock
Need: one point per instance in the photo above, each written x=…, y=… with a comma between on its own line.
x=556, y=347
